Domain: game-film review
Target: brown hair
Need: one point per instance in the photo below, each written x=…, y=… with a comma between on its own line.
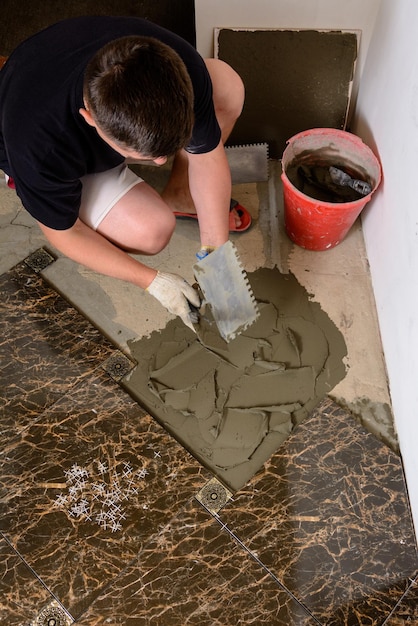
x=140, y=94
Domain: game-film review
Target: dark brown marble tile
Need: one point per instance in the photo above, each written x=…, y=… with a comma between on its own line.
x=329, y=518
x=194, y=573
x=406, y=612
x=21, y=592
x=86, y=484
x=97, y=508
x=46, y=348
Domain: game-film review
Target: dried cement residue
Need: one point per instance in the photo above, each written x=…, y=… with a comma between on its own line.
x=232, y=405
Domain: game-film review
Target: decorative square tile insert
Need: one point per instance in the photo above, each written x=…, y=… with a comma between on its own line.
x=53, y=615
x=39, y=260
x=213, y=496
x=118, y=365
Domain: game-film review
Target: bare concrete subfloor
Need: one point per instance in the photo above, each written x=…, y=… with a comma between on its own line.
x=338, y=279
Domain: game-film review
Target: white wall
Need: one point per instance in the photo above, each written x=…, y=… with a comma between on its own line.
x=387, y=118
x=318, y=14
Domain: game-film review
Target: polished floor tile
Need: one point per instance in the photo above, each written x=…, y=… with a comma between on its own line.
x=329, y=517
x=194, y=573
x=20, y=589
x=406, y=612
x=46, y=347
x=83, y=487
x=99, y=516
x=86, y=476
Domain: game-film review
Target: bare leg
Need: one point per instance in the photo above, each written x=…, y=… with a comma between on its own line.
x=228, y=98
x=177, y=193
x=139, y=222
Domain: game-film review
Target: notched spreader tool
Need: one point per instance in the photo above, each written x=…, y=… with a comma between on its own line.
x=226, y=288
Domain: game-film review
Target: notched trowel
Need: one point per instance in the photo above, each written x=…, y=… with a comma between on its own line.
x=225, y=287
x=248, y=163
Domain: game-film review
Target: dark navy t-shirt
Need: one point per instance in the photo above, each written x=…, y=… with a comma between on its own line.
x=45, y=144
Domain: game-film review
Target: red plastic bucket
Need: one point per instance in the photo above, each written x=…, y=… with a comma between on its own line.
x=317, y=224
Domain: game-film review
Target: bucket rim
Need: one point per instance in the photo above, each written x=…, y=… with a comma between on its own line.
x=335, y=132
x=330, y=131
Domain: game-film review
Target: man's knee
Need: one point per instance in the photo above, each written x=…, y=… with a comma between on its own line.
x=140, y=222
x=159, y=238
x=155, y=240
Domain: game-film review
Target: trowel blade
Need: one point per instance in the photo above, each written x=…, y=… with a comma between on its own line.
x=225, y=286
x=248, y=163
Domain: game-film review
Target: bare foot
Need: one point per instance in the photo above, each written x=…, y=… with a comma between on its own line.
x=236, y=217
x=183, y=203
x=178, y=200
x=177, y=194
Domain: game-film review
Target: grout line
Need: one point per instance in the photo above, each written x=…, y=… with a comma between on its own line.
x=100, y=592
x=259, y=562
x=33, y=572
x=412, y=581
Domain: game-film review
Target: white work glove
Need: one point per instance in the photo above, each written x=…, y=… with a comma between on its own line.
x=175, y=293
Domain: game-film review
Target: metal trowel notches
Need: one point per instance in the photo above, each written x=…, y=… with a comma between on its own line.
x=225, y=287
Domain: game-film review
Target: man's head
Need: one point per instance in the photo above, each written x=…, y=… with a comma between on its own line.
x=138, y=93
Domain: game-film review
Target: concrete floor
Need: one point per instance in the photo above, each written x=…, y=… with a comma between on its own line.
x=338, y=279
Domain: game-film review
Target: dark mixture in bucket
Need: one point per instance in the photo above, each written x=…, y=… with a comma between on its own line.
x=316, y=181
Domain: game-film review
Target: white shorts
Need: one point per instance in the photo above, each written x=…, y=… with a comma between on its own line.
x=102, y=191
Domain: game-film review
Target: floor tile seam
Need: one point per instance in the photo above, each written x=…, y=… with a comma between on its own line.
x=255, y=557
x=73, y=305
x=98, y=593
x=136, y=558
x=114, y=348
x=412, y=581
x=50, y=285
x=27, y=565
x=82, y=314
x=83, y=379
x=53, y=321
x=392, y=613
